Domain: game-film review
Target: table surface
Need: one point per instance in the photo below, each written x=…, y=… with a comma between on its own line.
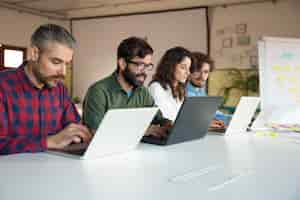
x=215, y=167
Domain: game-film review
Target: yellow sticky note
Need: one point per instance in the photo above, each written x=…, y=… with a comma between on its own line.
x=293, y=79
x=294, y=90
x=262, y=133
x=297, y=68
x=267, y=133
x=259, y=134
x=277, y=68
x=287, y=68
x=273, y=134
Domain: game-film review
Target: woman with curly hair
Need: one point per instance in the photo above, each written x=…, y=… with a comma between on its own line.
x=169, y=81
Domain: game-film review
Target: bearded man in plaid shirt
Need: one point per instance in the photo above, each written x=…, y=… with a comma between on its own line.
x=36, y=112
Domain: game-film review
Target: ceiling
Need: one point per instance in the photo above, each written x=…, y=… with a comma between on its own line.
x=74, y=9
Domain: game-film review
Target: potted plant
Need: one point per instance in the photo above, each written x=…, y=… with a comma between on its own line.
x=77, y=101
x=245, y=83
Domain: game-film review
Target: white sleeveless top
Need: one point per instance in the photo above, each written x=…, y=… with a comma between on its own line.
x=165, y=101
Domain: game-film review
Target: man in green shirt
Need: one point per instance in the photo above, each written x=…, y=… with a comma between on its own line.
x=124, y=88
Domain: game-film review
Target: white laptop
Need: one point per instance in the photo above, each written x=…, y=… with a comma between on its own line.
x=243, y=115
x=120, y=131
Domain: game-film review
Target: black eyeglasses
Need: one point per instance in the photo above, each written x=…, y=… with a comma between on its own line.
x=147, y=67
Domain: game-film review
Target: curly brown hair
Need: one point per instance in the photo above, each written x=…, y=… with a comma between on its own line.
x=198, y=59
x=165, y=71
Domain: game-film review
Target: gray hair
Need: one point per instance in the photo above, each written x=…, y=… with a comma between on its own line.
x=52, y=33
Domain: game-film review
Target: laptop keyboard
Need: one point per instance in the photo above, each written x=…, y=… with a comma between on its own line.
x=219, y=130
x=154, y=140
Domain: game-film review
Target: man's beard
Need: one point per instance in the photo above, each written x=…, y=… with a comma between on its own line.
x=46, y=80
x=201, y=85
x=131, y=78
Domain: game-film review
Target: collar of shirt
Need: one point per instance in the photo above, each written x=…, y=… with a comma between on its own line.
x=196, y=91
x=26, y=82
x=117, y=86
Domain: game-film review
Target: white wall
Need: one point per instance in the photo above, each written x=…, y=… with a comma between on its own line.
x=16, y=28
x=262, y=19
x=98, y=40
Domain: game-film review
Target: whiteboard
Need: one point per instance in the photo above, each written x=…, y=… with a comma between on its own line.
x=279, y=71
x=98, y=39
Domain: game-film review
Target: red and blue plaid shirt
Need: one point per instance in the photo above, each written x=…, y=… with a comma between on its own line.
x=28, y=114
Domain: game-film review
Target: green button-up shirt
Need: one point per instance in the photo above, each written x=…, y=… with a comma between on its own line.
x=108, y=94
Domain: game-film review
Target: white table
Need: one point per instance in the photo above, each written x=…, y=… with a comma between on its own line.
x=216, y=167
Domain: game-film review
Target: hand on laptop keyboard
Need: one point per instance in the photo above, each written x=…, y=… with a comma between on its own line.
x=73, y=133
x=217, y=124
x=157, y=131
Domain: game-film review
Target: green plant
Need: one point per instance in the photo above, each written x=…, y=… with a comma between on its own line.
x=244, y=82
x=76, y=100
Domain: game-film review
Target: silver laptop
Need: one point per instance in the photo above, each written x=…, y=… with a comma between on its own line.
x=120, y=131
x=243, y=115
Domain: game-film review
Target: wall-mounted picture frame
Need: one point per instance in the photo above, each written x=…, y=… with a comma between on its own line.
x=227, y=43
x=243, y=40
x=241, y=28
